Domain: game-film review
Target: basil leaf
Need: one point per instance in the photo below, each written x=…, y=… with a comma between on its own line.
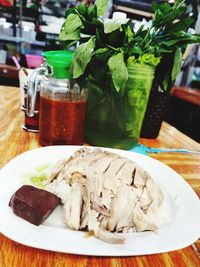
x=69, y=44
x=82, y=9
x=169, y=69
x=157, y=18
x=173, y=15
x=181, y=25
x=73, y=36
x=97, y=23
x=180, y=38
x=72, y=23
x=129, y=33
x=177, y=64
x=92, y=12
x=101, y=51
x=165, y=84
x=165, y=14
x=101, y=7
x=118, y=71
x=69, y=11
x=135, y=50
x=82, y=57
x=155, y=6
x=113, y=25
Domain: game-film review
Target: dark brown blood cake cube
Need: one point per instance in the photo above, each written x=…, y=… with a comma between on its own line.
x=32, y=204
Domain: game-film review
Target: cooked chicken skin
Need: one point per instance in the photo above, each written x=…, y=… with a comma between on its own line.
x=105, y=193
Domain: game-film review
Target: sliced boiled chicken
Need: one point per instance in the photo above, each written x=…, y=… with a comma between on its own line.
x=106, y=194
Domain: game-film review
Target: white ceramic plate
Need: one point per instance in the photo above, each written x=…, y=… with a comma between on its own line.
x=179, y=218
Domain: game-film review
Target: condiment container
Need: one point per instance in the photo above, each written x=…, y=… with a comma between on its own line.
x=32, y=98
x=62, y=112
x=62, y=103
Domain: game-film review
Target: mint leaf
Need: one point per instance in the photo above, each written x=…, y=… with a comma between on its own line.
x=82, y=57
x=72, y=23
x=118, y=71
x=101, y=7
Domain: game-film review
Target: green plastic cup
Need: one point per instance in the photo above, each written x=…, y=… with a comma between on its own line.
x=60, y=60
x=121, y=114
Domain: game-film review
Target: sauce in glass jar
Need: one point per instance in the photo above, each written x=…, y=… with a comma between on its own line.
x=62, y=112
x=61, y=121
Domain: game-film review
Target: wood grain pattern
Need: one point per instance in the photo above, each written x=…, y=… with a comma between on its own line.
x=14, y=140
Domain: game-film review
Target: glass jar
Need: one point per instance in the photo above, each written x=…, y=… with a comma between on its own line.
x=62, y=112
x=31, y=98
x=114, y=119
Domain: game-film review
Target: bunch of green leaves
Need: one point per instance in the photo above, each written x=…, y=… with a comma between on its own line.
x=168, y=30
x=106, y=46
x=167, y=71
x=101, y=44
x=167, y=38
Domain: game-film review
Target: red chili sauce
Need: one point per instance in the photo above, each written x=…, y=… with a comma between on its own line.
x=61, y=122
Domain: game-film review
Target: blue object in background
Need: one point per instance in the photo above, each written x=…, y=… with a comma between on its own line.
x=145, y=150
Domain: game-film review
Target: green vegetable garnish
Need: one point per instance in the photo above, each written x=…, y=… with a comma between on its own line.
x=37, y=176
x=108, y=46
x=146, y=59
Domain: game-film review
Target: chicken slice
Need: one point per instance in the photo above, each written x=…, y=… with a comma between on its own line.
x=103, y=163
x=121, y=213
x=142, y=221
x=57, y=168
x=73, y=207
x=154, y=191
x=95, y=182
x=145, y=199
x=139, y=177
x=104, y=235
x=126, y=172
x=60, y=188
x=85, y=208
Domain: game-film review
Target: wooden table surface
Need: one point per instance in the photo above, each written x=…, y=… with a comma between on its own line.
x=14, y=140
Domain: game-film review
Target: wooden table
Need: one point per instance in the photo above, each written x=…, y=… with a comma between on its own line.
x=187, y=94
x=14, y=140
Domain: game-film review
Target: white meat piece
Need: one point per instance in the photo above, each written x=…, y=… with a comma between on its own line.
x=106, y=193
x=122, y=208
x=94, y=225
x=142, y=221
x=73, y=207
